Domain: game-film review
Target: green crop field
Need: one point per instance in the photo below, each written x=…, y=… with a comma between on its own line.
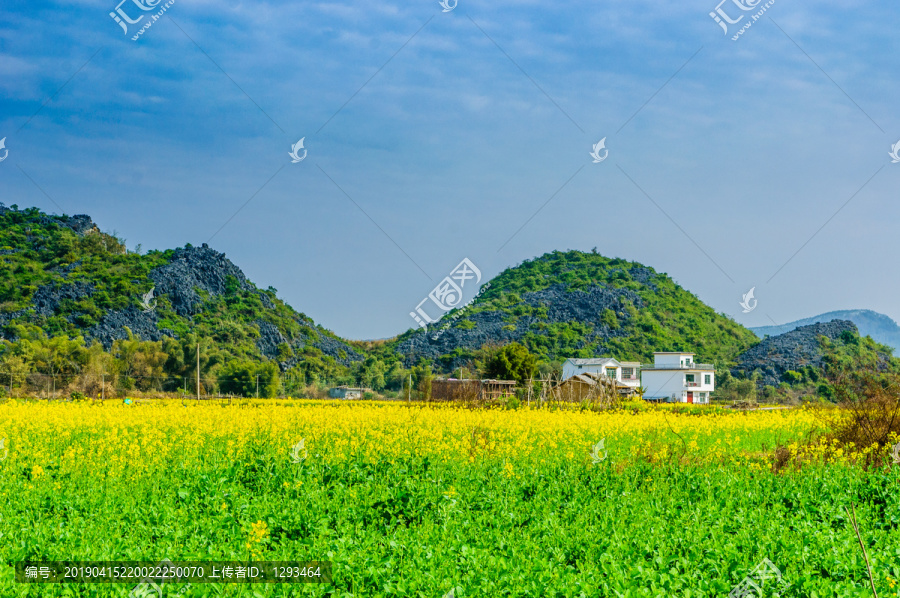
x=423, y=501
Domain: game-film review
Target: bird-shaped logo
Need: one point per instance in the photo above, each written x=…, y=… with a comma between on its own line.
x=598, y=452
x=748, y=297
x=894, y=153
x=447, y=5
x=295, y=156
x=146, y=299
x=600, y=145
x=298, y=451
x=3, y=147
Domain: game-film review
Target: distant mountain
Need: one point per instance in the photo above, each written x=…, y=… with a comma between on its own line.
x=575, y=304
x=880, y=327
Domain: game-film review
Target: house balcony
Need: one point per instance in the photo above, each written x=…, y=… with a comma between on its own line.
x=693, y=366
x=691, y=384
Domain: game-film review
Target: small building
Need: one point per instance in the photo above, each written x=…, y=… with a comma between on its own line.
x=593, y=365
x=626, y=372
x=347, y=392
x=630, y=374
x=467, y=389
x=676, y=377
x=591, y=385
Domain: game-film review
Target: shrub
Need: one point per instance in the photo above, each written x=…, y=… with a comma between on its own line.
x=868, y=416
x=792, y=377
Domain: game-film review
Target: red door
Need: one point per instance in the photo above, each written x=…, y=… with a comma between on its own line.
x=690, y=397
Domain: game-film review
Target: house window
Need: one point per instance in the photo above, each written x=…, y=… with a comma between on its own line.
x=707, y=378
x=611, y=372
x=688, y=377
x=627, y=373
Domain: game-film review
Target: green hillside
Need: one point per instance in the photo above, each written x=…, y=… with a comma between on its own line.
x=62, y=278
x=576, y=304
x=78, y=312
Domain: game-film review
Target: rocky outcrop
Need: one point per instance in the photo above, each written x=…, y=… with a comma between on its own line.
x=80, y=223
x=269, y=339
x=192, y=269
x=46, y=299
x=793, y=350
x=562, y=305
x=113, y=324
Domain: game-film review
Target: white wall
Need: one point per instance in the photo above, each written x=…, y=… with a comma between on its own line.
x=662, y=384
x=673, y=359
x=570, y=369
x=637, y=373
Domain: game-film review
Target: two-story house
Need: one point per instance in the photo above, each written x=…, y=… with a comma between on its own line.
x=626, y=372
x=676, y=377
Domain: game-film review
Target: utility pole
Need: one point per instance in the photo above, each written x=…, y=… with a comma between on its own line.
x=409, y=390
x=257, y=386
x=102, y=386
x=198, y=371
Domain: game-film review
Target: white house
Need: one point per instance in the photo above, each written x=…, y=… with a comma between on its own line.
x=675, y=377
x=626, y=372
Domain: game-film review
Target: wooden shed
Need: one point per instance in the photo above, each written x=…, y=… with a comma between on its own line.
x=469, y=390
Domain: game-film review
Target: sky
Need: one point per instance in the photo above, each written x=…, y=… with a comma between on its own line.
x=434, y=133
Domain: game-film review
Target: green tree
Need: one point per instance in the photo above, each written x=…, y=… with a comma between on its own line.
x=422, y=377
x=244, y=377
x=371, y=373
x=181, y=361
x=140, y=363
x=512, y=362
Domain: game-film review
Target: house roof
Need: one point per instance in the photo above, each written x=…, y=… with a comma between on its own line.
x=672, y=353
x=594, y=361
x=592, y=378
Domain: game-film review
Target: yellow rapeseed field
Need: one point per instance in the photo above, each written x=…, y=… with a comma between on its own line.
x=417, y=500
x=129, y=440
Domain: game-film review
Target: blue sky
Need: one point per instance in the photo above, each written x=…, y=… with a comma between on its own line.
x=432, y=136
